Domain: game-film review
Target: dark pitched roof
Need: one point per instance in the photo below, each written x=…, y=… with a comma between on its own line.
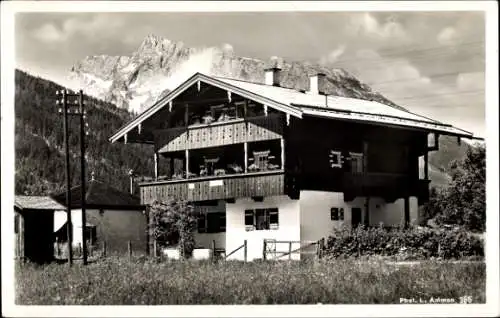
x=100, y=196
x=32, y=202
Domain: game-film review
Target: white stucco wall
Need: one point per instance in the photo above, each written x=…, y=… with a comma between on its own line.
x=316, y=223
x=289, y=226
x=392, y=214
x=116, y=227
x=315, y=219
x=60, y=218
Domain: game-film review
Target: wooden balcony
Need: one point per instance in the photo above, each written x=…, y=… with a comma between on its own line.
x=220, y=133
x=255, y=184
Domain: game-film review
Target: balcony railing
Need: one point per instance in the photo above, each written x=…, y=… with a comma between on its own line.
x=266, y=183
x=220, y=133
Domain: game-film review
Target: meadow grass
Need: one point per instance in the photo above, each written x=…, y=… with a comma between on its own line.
x=119, y=281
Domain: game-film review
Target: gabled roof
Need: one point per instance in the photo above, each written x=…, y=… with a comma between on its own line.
x=99, y=195
x=298, y=104
x=31, y=202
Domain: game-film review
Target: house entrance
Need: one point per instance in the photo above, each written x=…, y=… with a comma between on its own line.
x=355, y=217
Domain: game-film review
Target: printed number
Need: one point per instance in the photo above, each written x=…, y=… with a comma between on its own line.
x=465, y=299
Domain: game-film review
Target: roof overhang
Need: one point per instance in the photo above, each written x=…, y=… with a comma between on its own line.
x=385, y=120
x=198, y=77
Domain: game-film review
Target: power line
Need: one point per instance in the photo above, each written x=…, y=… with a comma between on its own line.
x=441, y=94
x=411, y=79
x=406, y=59
x=469, y=44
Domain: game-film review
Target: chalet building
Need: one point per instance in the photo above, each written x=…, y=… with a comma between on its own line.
x=112, y=216
x=260, y=161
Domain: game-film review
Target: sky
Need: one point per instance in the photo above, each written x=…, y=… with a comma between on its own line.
x=432, y=63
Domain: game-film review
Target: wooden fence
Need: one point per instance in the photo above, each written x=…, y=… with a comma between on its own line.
x=269, y=251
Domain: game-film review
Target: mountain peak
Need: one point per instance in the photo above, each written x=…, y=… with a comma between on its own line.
x=160, y=64
x=156, y=42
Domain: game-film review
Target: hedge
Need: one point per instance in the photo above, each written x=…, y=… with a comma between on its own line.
x=412, y=243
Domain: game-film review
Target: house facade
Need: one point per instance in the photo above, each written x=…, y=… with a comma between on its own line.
x=260, y=161
x=113, y=218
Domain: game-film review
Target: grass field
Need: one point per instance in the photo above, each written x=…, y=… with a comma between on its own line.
x=118, y=281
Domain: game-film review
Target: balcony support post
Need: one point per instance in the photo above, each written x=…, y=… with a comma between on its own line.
x=187, y=163
x=407, y=211
x=282, y=144
x=426, y=165
x=156, y=164
x=366, y=219
x=246, y=156
x=365, y=157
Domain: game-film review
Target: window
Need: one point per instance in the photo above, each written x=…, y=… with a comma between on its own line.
x=214, y=222
x=337, y=214
x=261, y=219
x=16, y=223
x=335, y=159
x=356, y=162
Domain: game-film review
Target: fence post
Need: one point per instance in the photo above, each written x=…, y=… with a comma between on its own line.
x=264, y=250
x=321, y=247
x=213, y=250
x=129, y=250
x=290, y=250
x=80, y=248
x=245, y=250
x=155, y=249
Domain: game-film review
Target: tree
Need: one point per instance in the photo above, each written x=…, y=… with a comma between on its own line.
x=173, y=224
x=464, y=202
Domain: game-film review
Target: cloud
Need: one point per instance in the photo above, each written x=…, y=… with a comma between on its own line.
x=369, y=26
x=94, y=27
x=49, y=33
x=448, y=36
x=334, y=55
x=227, y=48
x=470, y=81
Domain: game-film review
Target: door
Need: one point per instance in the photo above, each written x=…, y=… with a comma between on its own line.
x=355, y=217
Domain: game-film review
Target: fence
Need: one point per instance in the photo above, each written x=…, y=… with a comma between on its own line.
x=269, y=250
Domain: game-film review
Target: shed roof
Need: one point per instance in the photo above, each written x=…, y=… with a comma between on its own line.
x=32, y=202
x=101, y=196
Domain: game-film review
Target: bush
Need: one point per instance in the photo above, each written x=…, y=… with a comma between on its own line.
x=412, y=243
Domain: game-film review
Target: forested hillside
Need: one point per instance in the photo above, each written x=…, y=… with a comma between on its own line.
x=39, y=146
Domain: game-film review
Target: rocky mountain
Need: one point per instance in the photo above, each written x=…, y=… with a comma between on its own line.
x=136, y=81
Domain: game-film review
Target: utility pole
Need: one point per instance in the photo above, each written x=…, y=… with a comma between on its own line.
x=69, y=224
x=83, y=179
x=81, y=113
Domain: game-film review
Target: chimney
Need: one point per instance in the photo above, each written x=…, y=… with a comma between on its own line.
x=317, y=84
x=273, y=76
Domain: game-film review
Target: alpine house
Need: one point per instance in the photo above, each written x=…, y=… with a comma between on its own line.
x=260, y=161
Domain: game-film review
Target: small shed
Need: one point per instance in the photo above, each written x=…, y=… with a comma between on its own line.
x=113, y=217
x=33, y=227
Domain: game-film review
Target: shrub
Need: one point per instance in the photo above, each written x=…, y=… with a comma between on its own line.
x=173, y=224
x=412, y=243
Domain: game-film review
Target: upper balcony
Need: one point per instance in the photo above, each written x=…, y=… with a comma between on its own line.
x=228, y=131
